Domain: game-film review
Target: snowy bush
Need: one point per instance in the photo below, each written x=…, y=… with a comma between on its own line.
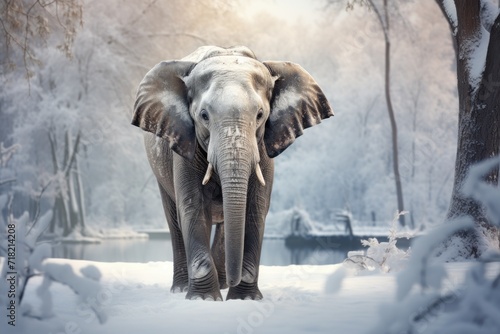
x=23, y=258
x=385, y=256
x=472, y=307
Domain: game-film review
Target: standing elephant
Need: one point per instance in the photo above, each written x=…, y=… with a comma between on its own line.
x=215, y=120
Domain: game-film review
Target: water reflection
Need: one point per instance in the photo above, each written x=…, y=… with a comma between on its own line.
x=119, y=250
x=274, y=252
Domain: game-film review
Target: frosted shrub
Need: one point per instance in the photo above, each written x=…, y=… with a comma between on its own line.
x=471, y=307
x=24, y=259
x=385, y=256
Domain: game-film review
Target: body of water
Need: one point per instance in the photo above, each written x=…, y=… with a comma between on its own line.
x=274, y=252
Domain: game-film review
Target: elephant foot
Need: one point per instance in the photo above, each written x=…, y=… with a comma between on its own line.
x=180, y=282
x=205, y=282
x=204, y=290
x=245, y=291
x=212, y=296
x=179, y=287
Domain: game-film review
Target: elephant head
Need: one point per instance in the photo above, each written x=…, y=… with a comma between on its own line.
x=232, y=106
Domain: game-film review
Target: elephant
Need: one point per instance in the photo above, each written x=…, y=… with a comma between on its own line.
x=213, y=123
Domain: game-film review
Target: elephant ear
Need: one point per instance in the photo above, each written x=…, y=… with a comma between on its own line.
x=162, y=107
x=297, y=103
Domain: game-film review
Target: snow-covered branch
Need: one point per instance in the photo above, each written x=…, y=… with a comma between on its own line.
x=489, y=13
x=6, y=153
x=450, y=11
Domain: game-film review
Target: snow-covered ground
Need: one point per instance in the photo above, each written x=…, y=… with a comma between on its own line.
x=136, y=299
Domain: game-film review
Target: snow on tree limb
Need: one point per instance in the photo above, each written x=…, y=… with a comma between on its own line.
x=451, y=12
x=489, y=12
x=477, y=50
x=6, y=153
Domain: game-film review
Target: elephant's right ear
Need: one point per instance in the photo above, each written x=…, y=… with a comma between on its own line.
x=162, y=107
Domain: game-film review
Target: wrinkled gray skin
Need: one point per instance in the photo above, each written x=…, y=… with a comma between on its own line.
x=221, y=110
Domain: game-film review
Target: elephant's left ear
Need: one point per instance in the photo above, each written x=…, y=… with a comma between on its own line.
x=162, y=107
x=297, y=103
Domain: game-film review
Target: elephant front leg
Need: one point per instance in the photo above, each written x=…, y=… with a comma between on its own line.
x=203, y=279
x=196, y=223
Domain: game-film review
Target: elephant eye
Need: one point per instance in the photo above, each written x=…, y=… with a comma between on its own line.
x=204, y=115
x=260, y=115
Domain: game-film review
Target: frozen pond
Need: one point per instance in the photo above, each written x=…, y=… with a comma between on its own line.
x=274, y=252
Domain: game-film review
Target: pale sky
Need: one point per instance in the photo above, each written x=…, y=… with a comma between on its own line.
x=286, y=8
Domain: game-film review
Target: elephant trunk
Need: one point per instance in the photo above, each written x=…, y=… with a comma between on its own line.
x=235, y=161
x=234, y=194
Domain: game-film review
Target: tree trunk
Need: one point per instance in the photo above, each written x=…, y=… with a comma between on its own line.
x=53, y=149
x=68, y=213
x=72, y=199
x=479, y=114
x=80, y=195
x=385, y=25
x=390, y=110
x=394, y=128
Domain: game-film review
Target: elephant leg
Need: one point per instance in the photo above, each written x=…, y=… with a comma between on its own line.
x=203, y=279
x=180, y=279
x=219, y=255
x=194, y=212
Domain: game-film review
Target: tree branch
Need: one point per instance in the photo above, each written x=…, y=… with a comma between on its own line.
x=148, y=6
x=383, y=24
x=72, y=155
x=2, y=182
x=450, y=18
x=53, y=151
x=38, y=199
x=166, y=34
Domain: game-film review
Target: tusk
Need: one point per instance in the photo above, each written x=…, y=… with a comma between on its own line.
x=258, y=171
x=208, y=174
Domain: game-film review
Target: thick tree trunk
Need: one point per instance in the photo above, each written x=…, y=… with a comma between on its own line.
x=468, y=30
x=479, y=114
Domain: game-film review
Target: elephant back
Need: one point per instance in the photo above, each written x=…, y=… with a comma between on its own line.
x=210, y=51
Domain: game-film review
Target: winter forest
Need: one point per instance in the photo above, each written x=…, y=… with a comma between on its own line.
x=84, y=104
x=414, y=86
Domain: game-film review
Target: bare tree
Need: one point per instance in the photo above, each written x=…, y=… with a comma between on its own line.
x=475, y=27
x=383, y=17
